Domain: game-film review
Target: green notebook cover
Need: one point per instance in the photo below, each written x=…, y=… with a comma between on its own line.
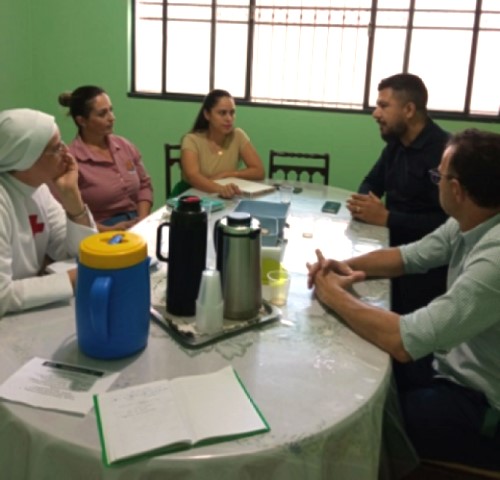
x=210, y=204
x=263, y=426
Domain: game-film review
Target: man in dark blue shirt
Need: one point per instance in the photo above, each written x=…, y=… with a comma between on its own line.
x=415, y=145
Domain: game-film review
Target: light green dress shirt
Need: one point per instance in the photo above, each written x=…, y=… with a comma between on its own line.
x=461, y=327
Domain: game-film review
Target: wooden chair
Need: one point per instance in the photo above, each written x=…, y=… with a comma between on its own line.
x=436, y=470
x=312, y=164
x=172, y=157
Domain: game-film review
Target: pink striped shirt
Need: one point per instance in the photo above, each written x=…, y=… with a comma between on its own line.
x=111, y=187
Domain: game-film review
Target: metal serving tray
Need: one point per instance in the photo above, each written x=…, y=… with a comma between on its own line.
x=183, y=329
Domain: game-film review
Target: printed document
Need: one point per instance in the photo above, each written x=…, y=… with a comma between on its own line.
x=54, y=385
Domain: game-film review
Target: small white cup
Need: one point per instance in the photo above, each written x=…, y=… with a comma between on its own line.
x=209, y=319
x=279, y=284
x=209, y=305
x=286, y=192
x=210, y=292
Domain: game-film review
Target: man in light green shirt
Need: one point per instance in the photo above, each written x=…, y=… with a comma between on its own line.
x=452, y=414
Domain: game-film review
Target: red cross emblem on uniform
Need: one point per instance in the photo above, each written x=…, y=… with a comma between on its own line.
x=35, y=226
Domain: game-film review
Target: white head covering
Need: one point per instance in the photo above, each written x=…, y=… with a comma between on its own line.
x=24, y=134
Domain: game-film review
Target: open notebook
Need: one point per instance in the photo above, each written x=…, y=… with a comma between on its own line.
x=247, y=187
x=168, y=415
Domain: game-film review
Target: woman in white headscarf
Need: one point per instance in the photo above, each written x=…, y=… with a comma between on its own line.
x=34, y=225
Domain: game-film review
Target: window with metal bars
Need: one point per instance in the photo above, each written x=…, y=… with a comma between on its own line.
x=318, y=53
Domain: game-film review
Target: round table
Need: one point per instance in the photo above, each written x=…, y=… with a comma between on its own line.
x=319, y=385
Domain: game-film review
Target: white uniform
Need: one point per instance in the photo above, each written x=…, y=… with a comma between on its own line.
x=32, y=225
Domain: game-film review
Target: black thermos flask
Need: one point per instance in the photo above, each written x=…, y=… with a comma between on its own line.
x=187, y=249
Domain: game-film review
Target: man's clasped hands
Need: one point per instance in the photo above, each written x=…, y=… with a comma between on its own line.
x=328, y=276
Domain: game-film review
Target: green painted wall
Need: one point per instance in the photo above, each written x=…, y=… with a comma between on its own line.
x=16, y=54
x=50, y=46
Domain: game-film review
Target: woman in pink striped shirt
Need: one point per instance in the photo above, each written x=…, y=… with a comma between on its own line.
x=112, y=178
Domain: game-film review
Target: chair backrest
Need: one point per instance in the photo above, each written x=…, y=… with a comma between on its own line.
x=312, y=164
x=172, y=157
x=438, y=469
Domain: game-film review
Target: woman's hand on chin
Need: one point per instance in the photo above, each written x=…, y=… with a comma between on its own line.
x=67, y=180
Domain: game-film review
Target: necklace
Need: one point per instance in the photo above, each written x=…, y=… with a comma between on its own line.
x=216, y=148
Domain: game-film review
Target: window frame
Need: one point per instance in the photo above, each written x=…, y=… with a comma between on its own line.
x=464, y=114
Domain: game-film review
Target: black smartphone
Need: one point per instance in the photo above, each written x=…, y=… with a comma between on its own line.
x=331, y=207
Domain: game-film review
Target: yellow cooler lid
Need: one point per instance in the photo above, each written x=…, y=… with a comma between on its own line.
x=113, y=250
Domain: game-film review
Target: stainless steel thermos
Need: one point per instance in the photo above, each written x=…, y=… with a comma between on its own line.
x=237, y=244
x=187, y=248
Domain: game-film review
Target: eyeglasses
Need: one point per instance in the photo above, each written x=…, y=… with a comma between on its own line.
x=58, y=149
x=436, y=176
